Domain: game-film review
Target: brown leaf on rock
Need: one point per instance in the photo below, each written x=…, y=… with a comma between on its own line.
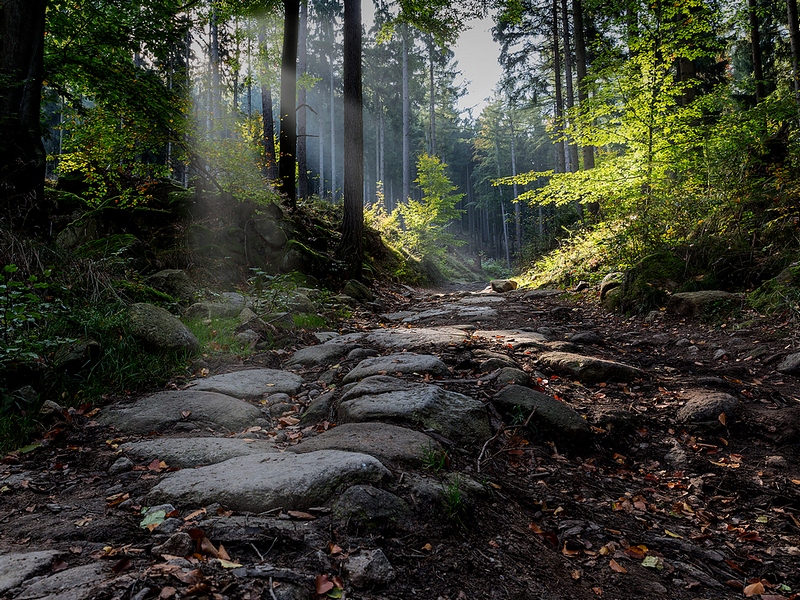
x=300, y=515
x=192, y=577
x=167, y=592
x=206, y=547
x=122, y=565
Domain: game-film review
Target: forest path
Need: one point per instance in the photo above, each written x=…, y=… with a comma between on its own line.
x=460, y=444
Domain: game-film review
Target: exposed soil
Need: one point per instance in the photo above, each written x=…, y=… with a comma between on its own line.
x=644, y=508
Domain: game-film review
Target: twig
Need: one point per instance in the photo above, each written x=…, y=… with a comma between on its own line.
x=253, y=546
x=272, y=591
x=496, y=435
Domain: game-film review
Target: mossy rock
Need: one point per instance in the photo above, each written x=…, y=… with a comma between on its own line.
x=779, y=293
x=649, y=283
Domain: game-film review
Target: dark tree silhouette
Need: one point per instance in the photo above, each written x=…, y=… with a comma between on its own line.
x=352, y=247
x=22, y=155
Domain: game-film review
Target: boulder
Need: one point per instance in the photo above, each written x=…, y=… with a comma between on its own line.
x=250, y=384
x=159, y=329
x=77, y=583
x=550, y=415
x=512, y=375
x=259, y=483
x=314, y=356
x=16, y=568
x=405, y=363
x=790, y=365
x=213, y=310
x=365, y=506
x=174, y=282
x=386, y=399
x=610, y=282
x=705, y=407
x=386, y=442
x=501, y=286
x=693, y=304
x=588, y=369
x=369, y=568
x=194, y=452
x=166, y=410
x=358, y=291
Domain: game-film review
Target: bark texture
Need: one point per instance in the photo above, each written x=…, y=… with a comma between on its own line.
x=22, y=155
x=352, y=247
x=288, y=137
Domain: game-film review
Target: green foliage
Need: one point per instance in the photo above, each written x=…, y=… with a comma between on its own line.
x=308, y=321
x=114, y=153
x=433, y=459
x=780, y=295
x=425, y=221
x=454, y=501
x=218, y=336
x=25, y=306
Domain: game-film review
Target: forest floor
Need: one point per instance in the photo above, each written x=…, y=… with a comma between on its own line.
x=686, y=485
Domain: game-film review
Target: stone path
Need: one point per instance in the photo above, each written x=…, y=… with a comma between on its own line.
x=356, y=432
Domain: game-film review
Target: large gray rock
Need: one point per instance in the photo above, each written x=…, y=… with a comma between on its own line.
x=513, y=338
x=397, y=363
x=790, y=365
x=693, y=304
x=358, y=291
x=16, y=568
x=380, y=398
x=610, y=282
x=588, y=369
x=369, y=568
x=705, y=406
x=482, y=299
x=324, y=354
x=213, y=310
x=386, y=442
x=538, y=294
x=369, y=507
x=194, y=452
x=174, y=282
x=502, y=286
x=414, y=339
x=77, y=583
x=159, y=329
x=164, y=410
x=251, y=384
x=259, y=483
x=550, y=415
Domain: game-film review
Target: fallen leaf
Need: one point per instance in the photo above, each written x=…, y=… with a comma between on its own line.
x=223, y=554
x=288, y=421
x=653, y=562
x=59, y=565
x=673, y=535
x=197, y=513
x=192, y=577
x=598, y=591
x=153, y=520
x=427, y=548
x=616, y=567
x=206, y=547
x=185, y=414
x=723, y=418
x=123, y=565
x=754, y=589
x=226, y=564
x=167, y=592
x=83, y=522
x=323, y=584
x=576, y=574
x=334, y=549
x=302, y=516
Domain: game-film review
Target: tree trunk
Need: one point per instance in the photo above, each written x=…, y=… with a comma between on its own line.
x=794, y=36
x=573, y=148
x=333, y=119
x=406, y=123
x=579, y=36
x=288, y=158
x=302, y=100
x=22, y=156
x=517, y=204
x=321, y=145
x=352, y=247
x=270, y=167
x=431, y=50
x=215, y=75
x=559, y=99
x=755, y=40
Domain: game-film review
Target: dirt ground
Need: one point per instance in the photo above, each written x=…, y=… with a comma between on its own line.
x=645, y=508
